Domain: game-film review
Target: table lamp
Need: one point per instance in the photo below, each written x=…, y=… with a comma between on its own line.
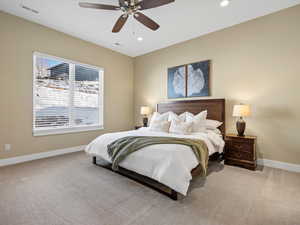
x=145, y=111
x=241, y=111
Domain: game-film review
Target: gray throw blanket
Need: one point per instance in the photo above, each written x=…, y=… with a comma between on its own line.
x=121, y=148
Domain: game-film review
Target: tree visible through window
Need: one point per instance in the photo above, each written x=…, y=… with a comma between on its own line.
x=67, y=95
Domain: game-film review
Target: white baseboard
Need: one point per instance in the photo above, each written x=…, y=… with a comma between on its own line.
x=26, y=158
x=279, y=165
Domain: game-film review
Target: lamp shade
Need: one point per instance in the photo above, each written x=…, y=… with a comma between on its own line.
x=145, y=110
x=241, y=110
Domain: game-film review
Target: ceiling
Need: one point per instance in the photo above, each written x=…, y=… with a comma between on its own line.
x=179, y=21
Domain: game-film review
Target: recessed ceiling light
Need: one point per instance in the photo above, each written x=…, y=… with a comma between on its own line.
x=117, y=44
x=224, y=3
x=140, y=39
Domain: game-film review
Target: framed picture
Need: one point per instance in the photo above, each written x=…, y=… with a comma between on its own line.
x=177, y=82
x=191, y=80
x=198, y=79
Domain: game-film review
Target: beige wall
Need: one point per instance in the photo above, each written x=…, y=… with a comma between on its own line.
x=18, y=40
x=257, y=63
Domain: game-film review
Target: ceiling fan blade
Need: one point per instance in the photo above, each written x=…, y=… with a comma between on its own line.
x=146, y=21
x=120, y=23
x=98, y=6
x=148, y=4
x=123, y=3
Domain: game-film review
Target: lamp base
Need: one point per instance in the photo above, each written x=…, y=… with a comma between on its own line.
x=240, y=127
x=145, y=121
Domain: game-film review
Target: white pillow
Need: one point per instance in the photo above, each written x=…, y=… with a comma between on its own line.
x=212, y=124
x=160, y=126
x=174, y=116
x=216, y=131
x=159, y=117
x=199, y=121
x=180, y=127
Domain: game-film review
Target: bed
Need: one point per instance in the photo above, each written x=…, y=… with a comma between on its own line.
x=165, y=168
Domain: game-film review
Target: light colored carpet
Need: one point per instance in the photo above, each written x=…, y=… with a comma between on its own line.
x=69, y=190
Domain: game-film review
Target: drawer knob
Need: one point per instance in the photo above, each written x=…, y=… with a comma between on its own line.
x=239, y=146
x=238, y=155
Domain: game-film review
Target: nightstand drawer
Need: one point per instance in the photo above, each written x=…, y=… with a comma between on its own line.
x=244, y=147
x=242, y=141
x=242, y=155
x=239, y=146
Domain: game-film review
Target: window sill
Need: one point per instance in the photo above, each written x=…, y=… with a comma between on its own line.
x=66, y=130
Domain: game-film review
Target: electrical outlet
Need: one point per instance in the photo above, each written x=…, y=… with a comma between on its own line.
x=7, y=147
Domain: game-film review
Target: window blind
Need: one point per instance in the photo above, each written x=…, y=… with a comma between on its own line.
x=67, y=96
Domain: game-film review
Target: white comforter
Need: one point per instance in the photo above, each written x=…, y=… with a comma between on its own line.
x=169, y=164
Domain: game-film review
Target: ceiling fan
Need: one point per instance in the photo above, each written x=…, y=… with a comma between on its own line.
x=130, y=7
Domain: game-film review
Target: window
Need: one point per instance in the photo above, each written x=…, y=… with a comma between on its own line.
x=67, y=96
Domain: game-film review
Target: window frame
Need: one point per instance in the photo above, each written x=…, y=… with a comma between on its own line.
x=72, y=129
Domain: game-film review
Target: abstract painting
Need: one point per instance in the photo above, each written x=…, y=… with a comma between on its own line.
x=198, y=79
x=191, y=80
x=177, y=82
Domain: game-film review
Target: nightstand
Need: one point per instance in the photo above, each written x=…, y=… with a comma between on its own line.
x=240, y=151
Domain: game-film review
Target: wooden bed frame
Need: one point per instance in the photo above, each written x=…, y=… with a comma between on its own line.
x=215, y=110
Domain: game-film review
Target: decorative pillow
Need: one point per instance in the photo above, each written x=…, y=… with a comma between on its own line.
x=180, y=127
x=199, y=121
x=212, y=124
x=159, y=117
x=160, y=126
x=174, y=116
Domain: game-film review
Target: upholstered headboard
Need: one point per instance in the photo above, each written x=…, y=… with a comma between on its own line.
x=215, y=108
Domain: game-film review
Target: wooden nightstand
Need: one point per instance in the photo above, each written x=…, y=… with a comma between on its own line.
x=240, y=151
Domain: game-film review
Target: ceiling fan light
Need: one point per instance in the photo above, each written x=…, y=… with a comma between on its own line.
x=224, y=3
